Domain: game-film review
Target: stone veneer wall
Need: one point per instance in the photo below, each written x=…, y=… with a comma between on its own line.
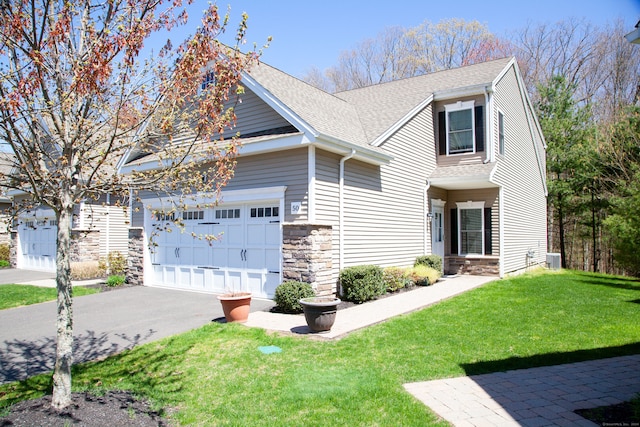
x=13, y=249
x=485, y=266
x=85, y=245
x=135, y=260
x=307, y=256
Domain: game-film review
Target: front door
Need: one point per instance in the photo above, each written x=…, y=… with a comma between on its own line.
x=437, y=231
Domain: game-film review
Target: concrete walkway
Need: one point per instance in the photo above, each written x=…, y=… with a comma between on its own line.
x=544, y=396
x=368, y=314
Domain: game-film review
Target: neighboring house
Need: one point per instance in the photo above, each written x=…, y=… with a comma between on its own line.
x=99, y=227
x=6, y=164
x=450, y=163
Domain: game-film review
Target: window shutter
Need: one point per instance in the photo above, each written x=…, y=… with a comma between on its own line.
x=454, y=231
x=487, y=231
x=442, y=133
x=479, y=118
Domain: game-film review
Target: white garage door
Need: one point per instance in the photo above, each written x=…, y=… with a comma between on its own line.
x=244, y=256
x=38, y=244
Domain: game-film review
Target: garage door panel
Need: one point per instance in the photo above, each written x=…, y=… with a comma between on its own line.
x=255, y=234
x=254, y=258
x=246, y=254
x=234, y=235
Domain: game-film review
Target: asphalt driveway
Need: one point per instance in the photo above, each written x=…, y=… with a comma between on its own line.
x=104, y=324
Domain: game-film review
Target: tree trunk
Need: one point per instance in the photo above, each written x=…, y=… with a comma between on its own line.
x=64, y=322
x=563, y=253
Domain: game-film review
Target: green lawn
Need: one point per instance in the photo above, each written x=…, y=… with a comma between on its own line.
x=18, y=295
x=216, y=375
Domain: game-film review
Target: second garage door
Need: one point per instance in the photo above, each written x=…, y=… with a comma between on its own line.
x=245, y=253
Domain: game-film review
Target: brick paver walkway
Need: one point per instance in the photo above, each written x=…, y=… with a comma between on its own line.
x=545, y=396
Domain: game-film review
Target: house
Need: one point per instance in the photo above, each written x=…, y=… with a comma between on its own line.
x=6, y=163
x=99, y=228
x=450, y=163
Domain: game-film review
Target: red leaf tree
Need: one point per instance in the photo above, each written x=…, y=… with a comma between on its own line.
x=77, y=94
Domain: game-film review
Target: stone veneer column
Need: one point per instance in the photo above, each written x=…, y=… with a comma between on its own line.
x=85, y=245
x=307, y=256
x=135, y=260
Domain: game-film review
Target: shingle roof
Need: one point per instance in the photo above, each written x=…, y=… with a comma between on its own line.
x=326, y=113
x=381, y=106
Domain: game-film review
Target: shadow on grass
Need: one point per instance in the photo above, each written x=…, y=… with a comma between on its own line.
x=20, y=359
x=619, y=282
x=549, y=359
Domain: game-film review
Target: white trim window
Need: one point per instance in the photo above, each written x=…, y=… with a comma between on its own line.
x=460, y=127
x=471, y=228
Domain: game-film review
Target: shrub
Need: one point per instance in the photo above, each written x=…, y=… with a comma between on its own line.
x=85, y=270
x=421, y=275
x=4, y=252
x=4, y=263
x=289, y=294
x=362, y=283
x=433, y=261
x=395, y=278
x=115, y=263
x=115, y=280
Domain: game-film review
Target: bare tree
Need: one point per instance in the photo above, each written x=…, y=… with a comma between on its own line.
x=75, y=96
x=397, y=53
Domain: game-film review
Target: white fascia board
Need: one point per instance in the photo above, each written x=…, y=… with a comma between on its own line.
x=277, y=105
x=460, y=92
x=633, y=36
x=39, y=212
x=285, y=142
x=226, y=196
x=396, y=126
x=362, y=153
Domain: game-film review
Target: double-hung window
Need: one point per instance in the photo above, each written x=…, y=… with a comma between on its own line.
x=471, y=228
x=460, y=128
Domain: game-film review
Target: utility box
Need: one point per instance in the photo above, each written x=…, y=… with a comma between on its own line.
x=553, y=261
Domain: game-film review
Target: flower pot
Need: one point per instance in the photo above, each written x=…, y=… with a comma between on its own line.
x=236, y=306
x=320, y=312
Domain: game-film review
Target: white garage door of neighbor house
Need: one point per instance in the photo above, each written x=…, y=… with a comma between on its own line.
x=38, y=244
x=244, y=256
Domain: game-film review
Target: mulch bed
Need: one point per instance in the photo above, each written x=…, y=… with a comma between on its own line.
x=114, y=409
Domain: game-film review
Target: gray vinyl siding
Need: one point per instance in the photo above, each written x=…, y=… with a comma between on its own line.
x=384, y=213
x=112, y=222
x=288, y=168
x=263, y=170
x=328, y=199
x=255, y=115
x=519, y=173
x=491, y=199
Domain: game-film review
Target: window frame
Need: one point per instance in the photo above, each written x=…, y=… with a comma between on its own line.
x=460, y=106
x=471, y=206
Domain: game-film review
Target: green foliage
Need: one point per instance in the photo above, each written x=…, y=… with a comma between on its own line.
x=115, y=263
x=421, y=275
x=4, y=263
x=115, y=280
x=396, y=278
x=19, y=295
x=288, y=295
x=362, y=283
x=433, y=261
x=4, y=252
x=358, y=379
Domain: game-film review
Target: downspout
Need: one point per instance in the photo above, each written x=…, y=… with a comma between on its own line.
x=341, y=208
x=488, y=99
x=426, y=217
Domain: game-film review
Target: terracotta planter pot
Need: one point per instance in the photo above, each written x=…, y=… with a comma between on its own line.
x=236, y=306
x=320, y=312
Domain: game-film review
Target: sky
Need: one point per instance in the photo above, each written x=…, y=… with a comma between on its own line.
x=313, y=33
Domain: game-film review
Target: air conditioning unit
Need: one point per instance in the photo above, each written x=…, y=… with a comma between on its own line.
x=553, y=261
